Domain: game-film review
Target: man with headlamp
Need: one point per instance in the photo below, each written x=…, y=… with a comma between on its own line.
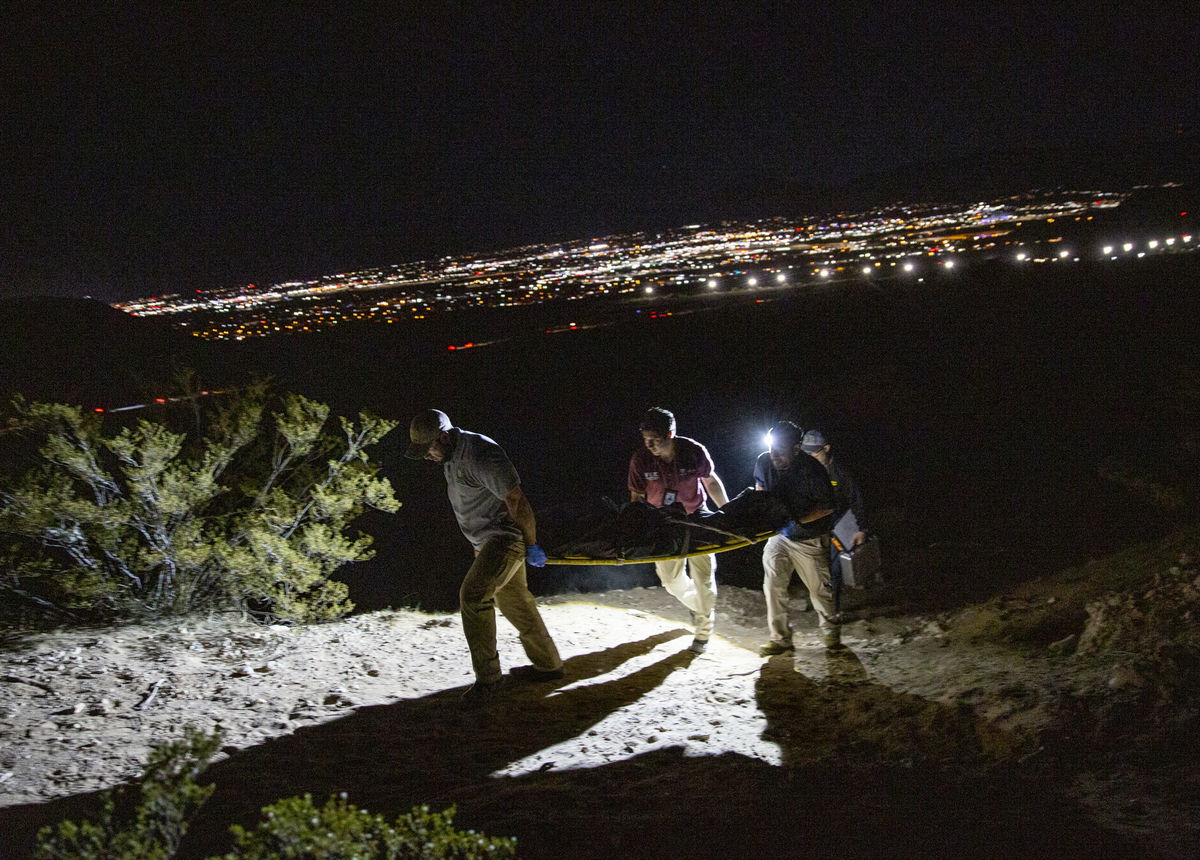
x=803, y=544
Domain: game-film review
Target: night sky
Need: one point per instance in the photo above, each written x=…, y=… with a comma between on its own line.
x=156, y=147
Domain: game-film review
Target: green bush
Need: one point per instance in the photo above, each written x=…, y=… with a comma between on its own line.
x=168, y=797
x=248, y=510
x=157, y=820
x=296, y=828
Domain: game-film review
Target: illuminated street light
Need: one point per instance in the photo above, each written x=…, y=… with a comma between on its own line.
x=1170, y=241
x=949, y=264
x=1188, y=237
x=866, y=270
x=824, y=273
x=712, y=283
x=1022, y=256
x=1128, y=246
x=649, y=291
x=1153, y=243
x=781, y=277
x=1108, y=249
x=1062, y=255
x=753, y=282
x=908, y=267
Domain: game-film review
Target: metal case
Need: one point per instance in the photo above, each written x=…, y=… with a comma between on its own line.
x=861, y=565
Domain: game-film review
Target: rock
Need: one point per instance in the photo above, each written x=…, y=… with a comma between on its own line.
x=1126, y=678
x=1064, y=646
x=43, y=731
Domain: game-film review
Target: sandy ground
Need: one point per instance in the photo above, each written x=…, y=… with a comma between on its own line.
x=903, y=741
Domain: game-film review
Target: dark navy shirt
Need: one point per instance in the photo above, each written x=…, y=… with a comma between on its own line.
x=803, y=486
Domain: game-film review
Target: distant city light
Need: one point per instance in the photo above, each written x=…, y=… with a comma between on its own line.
x=626, y=265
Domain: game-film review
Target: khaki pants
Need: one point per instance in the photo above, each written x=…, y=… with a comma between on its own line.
x=810, y=559
x=497, y=580
x=697, y=592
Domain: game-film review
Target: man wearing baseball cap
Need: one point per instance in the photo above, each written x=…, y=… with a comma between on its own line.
x=848, y=503
x=497, y=519
x=803, y=544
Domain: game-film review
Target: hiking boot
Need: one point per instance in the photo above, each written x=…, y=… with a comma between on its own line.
x=481, y=692
x=533, y=673
x=698, y=646
x=771, y=648
x=833, y=638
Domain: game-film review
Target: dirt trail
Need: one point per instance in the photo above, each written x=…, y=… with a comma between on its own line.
x=904, y=738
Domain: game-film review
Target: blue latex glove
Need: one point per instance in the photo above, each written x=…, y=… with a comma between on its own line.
x=535, y=556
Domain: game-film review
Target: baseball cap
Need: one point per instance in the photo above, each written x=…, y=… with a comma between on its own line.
x=426, y=427
x=814, y=440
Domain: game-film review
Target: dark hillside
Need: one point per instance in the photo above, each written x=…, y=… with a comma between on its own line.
x=82, y=351
x=1006, y=421
x=981, y=410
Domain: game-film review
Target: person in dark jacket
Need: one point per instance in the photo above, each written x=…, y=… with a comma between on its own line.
x=803, y=544
x=847, y=497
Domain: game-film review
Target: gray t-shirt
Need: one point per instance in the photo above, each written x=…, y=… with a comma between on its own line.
x=478, y=477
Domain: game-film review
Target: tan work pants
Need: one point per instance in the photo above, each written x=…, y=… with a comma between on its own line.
x=497, y=580
x=810, y=559
x=697, y=592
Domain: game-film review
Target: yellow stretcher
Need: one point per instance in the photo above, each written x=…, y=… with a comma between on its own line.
x=732, y=541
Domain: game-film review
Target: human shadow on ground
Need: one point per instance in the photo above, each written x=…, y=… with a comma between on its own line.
x=843, y=789
x=874, y=772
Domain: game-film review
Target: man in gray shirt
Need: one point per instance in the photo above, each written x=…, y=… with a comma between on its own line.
x=496, y=517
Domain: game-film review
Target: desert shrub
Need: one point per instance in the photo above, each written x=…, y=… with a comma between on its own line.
x=297, y=828
x=248, y=509
x=167, y=797
x=153, y=824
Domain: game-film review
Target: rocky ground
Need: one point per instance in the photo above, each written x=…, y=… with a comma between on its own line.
x=638, y=733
